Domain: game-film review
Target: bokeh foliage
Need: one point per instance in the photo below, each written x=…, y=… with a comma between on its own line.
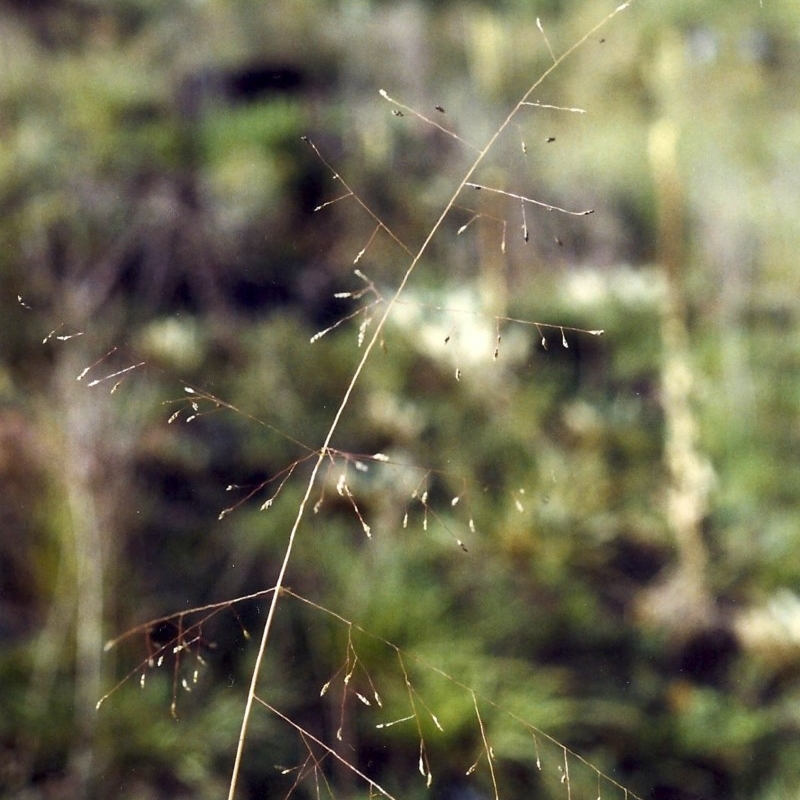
x=158, y=211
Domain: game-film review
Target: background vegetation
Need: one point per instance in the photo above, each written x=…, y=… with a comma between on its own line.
x=628, y=502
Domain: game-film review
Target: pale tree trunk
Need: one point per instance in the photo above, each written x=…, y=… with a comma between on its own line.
x=683, y=599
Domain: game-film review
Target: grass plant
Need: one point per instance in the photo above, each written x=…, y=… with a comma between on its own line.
x=395, y=695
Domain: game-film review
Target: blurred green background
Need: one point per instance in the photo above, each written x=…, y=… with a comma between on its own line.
x=628, y=502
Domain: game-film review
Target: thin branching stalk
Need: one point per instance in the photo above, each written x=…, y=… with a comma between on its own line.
x=373, y=340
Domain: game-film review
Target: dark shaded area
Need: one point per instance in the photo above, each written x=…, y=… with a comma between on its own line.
x=707, y=657
x=204, y=89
